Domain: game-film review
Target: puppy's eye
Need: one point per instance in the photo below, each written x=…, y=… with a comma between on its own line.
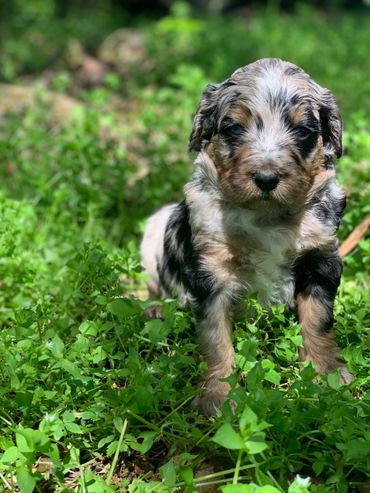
x=303, y=132
x=233, y=130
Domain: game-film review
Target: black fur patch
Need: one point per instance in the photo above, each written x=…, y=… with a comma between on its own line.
x=231, y=134
x=331, y=129
x=230, y=129
x=205, y=121
x=259, y=123
x=330, y=210
x=279, y=102
x=306, y=135
x=305, y=141
x=292, y=71
x=306, y=145
x=318, y=274
x=184, y=267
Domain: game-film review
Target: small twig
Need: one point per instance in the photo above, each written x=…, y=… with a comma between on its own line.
x=355, y=237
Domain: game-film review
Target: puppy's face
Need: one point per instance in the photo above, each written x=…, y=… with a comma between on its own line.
x=270, y=131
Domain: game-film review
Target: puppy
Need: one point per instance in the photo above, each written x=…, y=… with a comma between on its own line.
x=260, y=216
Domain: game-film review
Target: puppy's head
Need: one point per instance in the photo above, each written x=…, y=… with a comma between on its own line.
x=270, y=131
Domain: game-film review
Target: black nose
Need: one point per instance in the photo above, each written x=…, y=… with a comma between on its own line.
x=266, y=181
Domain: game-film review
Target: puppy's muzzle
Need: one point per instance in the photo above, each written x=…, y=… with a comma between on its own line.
x=266, y=181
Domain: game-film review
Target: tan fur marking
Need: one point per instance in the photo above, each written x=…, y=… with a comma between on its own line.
x=320, y=180
x=316, y=165
x=220, y=356
x=219, y=260
x=315, y=234
x=241, y=114
x=297, y=113
x=318, y=347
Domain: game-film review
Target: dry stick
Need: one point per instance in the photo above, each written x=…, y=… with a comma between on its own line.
x=355, y=237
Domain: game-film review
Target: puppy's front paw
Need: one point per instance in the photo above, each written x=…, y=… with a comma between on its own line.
x=212, y=397
x=154, y=311
x=345, y=377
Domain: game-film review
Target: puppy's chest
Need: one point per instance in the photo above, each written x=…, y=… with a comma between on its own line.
x=258, y=259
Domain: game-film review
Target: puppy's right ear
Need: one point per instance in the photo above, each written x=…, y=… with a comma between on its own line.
x=205, y=119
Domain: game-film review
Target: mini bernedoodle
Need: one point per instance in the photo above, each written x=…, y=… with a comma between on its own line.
x=260, y=216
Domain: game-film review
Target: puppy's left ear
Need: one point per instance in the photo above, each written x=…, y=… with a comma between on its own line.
x=331, y=128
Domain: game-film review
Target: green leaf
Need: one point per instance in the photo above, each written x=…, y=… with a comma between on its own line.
x=273, y=376
x=11, y=454
x=125, y=307
x=88, y=328
x=53, y=453
x=29, y=440
x=186, y=474
x=146, y=441
x=239, y=488
x=268, y=489
x=74, y=454
x=105, y=440
x=23, y=444
x=95, y=484
x=334, y=380
x=68, y=417
x=248, y=419
x=118, y=423
x=255, y=376
x=358, y=448
x=70, y=368
x=168, y=473
x=5, y=443
x=57, y=347
x=256, y=446
x=25, y=480
x=112, y=447
x=73, y=428
x=227, y=437
x=318, y=466
x=263, y=478
x=156, y=330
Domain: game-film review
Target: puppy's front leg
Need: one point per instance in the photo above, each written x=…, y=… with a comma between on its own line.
x=214, y=337
x=317, y=279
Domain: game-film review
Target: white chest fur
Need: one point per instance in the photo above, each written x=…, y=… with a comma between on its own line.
x=248, y=252
x=263, y=251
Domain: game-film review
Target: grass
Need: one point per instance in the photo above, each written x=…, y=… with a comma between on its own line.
x=96, y=398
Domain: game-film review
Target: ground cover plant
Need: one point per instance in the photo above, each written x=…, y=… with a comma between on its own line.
x=94, y=397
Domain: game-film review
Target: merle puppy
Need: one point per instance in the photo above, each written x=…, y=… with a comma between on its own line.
x=260, y=215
